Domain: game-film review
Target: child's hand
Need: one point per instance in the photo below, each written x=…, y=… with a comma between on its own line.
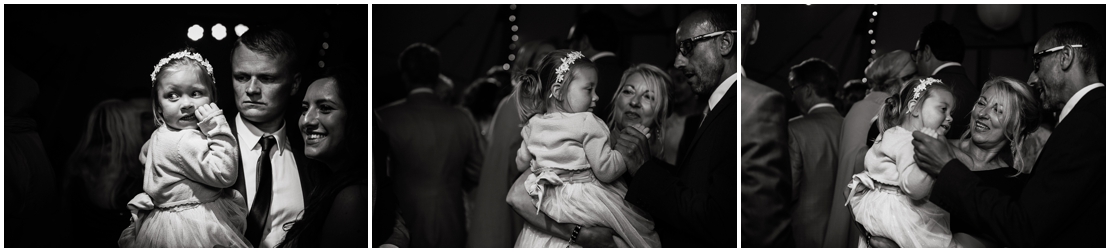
x=205, y=110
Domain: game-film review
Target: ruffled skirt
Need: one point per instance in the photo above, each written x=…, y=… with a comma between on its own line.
x=219, y=223
x=885, y=211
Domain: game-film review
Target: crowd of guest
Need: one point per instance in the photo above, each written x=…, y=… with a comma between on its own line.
x=462, y=170
x=918, y=155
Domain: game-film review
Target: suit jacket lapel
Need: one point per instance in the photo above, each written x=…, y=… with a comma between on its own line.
x=729, y=98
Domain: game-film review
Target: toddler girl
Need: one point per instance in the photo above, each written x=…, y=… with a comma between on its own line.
x=890, y=198
x=574, y=171
x=190, y=161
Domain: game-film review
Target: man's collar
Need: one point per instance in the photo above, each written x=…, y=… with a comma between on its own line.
x=1075, y=99
x=249, y=134
x=942, y=66
x=421, y=90
x=719, y=93
x=602, y=54
x=820, y=105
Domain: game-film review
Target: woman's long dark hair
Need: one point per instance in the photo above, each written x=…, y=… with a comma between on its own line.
x=351, y=87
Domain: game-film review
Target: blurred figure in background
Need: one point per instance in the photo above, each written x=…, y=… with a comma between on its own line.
x=104, y=172
x=813, y=141
x=885, y=77
x=853, y=92
x=33, y=211
x=938, y=53
x=445, y=90
x=493, y=223
x=595, y=35
x=684, y=117
x=480, y=100
x=435, y=154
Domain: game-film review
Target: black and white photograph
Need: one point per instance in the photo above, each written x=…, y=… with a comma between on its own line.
x=185, y=126
x=923, y=125
x=555, y=125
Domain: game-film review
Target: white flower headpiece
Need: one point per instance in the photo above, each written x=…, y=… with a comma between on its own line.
x=567, y=61
x=178, y=55
x=919, y=89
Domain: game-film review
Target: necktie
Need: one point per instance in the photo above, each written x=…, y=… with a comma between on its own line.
x=256, y=220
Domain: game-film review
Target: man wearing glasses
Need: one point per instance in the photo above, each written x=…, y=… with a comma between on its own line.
x=1064, y=202
x=938, y=53
x=694, y=204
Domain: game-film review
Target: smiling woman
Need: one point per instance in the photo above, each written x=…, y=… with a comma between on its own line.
x=642, y=102
x=335, y=214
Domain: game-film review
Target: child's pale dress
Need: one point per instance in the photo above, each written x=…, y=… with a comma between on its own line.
x=187, y=177
x=890, y=198
x=575, y=178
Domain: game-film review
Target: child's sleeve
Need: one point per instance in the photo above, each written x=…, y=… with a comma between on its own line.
x=215, y=160
x=523, y=157
x=608, y=164
x=915, y=182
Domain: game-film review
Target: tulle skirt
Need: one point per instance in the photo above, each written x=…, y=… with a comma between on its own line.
x=220, y=223
x=885, y=211
x=591, y=203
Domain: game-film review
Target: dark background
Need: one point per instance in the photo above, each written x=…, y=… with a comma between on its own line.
x=473, y=38
x=83, y=54
x=790, y=34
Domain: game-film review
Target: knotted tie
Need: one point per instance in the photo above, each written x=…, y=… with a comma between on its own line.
x=256, y=220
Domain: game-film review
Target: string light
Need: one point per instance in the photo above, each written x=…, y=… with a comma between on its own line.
x=219, y=31
x=869, y=32
x=195, y=32
x=875, y=13
x=512, y=18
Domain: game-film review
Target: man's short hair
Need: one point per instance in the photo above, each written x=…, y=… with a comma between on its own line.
x=272, y=42
x=944, y=40
x=420, y=62
x=599, y=28
x=747, y=16
x=818, y=75
x=722, y=17
x=1078, y=33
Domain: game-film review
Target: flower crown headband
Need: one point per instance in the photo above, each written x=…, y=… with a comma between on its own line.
x=919, y=89
x=567, y=61
x=179, y=55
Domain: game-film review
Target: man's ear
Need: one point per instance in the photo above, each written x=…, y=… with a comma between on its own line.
x=926, y=54
x=726, y=44
x=297, y=83
x=1067, y=58
x=755, y=32
x=555, y=88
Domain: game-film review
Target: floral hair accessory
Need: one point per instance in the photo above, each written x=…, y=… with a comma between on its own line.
x=919, y=89
x=567, y=61
x=179, y=55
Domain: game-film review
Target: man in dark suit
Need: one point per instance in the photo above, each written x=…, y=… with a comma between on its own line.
x=274, y=176
x=435, y=154
x=596, y=36
x=694, y=204
x=813, y=149
x=1064, y=202
x=938, y=53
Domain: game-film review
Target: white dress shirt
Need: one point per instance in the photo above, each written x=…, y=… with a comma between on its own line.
x=1075, y=99
x=720, y=91
x=820, y=105
x=288, y=201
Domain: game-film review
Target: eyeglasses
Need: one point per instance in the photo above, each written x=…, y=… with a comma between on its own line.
x=686, y=45
x=1038, y=55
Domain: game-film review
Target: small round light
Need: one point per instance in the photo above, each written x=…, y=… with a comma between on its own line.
x=195, y=32
x=865, y=79
x=872, y=41
x=512, y=18
x=321, y=63
x=219, y=31
x=872, y=51
x=505, y=66
x=512, y=7
x=514, y=28
x=325, y=45
x=515, y=37
x=240, y=29
x=512, y=57
x=871, y=20
x=870, y=31
x=874, y=13
x=512, y=46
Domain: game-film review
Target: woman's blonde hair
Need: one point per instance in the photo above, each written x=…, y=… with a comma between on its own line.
x=660, y=81
x=112, y=140
x=1020, y=116
x=882, y=74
